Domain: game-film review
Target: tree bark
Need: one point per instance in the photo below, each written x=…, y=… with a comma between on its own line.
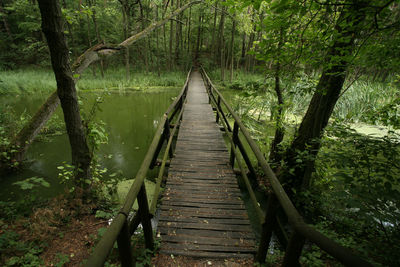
x=177, y=35
x=25, y=137
x=222, y=43
x=232, y=48
x=5, y=21
x=99, y=40
x=52, y=27
x=171, y=37
x=307, y=138
x=198, y=36
x=275, y=155
x=213, y=40
x=243, y=56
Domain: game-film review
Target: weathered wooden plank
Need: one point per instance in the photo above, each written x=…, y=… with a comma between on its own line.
x=205, y=225
x=208, y=240
x=226, y=206
x=211, y=221
x=203, y=233
x=199, y=254
x=209, y=247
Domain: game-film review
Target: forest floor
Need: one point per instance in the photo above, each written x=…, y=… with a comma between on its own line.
x=181, y=261
x=60, y=233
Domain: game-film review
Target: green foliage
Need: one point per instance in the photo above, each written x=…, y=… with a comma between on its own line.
x=62, y=259
x=143, y=256
x=23, y=254
x=32, y=182
x=357, y=187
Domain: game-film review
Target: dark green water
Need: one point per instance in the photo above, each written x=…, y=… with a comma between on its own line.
x=131, y=120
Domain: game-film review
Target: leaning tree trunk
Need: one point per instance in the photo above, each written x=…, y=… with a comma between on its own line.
x=325, y=97
x=52, y=27
x=275, y=154
x=26, y=136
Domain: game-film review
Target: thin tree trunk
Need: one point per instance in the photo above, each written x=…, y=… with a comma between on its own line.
x=243, y=55
x=275, y=155
x=5, y=21
x=145, y=44
x=188, y=31
x=126, y=29
x=177, y=35
x=213, y=40
x=232, y=48
x=171, y=37
x=222, y=43
x=99, y=40
x=157, y=45
x=198, y=37
x=52, y=27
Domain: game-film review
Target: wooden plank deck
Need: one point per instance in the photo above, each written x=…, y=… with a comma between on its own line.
x=202, y=213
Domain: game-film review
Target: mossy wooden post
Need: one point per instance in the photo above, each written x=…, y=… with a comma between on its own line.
x=158, y=148
x=167, y=135
x=145, y=217
x=235, y=138
x=293, y=250
x=267, y=228
x=218, y=107
x=124, y=245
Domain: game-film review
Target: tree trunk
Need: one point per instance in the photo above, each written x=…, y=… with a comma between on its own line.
x=158, y=54
x=243, y=56
x=232, y=48
x=198, y=37
x=177, y=35
x=222, y=43
x=145, y=49
x=307, y=138
x=52, y=27
x=213, y=40
x=5, y=21
x=32, y=128
x=188, y=31
x=99, y=40
x=171, y=37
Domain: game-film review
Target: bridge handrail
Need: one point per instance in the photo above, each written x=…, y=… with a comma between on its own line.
x=122, y=227
x=301, y=231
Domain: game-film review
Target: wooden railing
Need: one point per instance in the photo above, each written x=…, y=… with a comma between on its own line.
x=278, y=199
x=123, y=226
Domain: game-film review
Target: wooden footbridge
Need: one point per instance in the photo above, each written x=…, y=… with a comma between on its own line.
x=201, y=210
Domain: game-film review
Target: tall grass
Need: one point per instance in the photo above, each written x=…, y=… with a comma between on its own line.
x=356, y=104
x=34, y=81
x=364, y=98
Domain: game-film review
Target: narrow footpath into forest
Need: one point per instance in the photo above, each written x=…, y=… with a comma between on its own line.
x=202, y=213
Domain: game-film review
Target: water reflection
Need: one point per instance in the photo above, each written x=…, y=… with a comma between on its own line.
x=131, y=120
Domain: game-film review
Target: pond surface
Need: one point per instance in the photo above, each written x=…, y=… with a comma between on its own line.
x=130, y=121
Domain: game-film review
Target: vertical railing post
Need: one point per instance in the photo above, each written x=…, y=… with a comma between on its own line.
x=235, y=137
x=218, y=107
x=145, y=218
x=293, y=250
x=267, y=228
x=167, y=136
x=209, y=88
x=124, y=245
